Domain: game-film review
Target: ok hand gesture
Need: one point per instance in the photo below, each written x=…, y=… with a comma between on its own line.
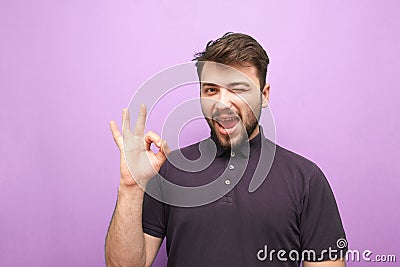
x=138, y=162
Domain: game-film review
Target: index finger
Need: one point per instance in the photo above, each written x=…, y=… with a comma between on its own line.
x=141, y=121
x=125, y=120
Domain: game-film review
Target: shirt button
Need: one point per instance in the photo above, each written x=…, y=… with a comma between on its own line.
x=232, y=154
x=227, y=182
x=231, y=167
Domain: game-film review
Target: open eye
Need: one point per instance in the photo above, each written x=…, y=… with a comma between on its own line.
x=210, y=90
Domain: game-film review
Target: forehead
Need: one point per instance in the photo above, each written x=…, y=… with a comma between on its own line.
x=224, y=75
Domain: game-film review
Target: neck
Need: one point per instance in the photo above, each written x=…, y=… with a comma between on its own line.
x=255, y=132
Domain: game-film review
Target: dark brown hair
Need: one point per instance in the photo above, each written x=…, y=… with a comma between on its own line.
x=235, y=49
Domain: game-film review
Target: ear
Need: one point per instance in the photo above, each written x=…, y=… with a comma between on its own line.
x=265, y=95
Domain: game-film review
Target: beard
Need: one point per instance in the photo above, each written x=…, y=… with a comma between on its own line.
x=246, y=129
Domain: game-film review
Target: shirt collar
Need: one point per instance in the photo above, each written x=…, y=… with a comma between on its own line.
x=254, y=144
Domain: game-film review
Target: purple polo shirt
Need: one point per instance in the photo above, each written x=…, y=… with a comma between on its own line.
x=293, y=210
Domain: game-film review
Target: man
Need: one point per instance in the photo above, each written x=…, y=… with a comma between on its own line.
x=291, y=217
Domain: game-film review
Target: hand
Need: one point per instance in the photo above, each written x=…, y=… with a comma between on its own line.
x=135, y=150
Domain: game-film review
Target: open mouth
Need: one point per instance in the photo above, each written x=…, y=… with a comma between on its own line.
x=226, y=124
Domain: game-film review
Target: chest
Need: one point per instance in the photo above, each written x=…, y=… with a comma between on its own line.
x=272, y=209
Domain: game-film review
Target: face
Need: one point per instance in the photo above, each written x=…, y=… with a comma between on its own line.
x=231, y=101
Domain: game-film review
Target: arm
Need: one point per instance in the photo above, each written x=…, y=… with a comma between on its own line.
x=126, y=244
x=337, y=263
x=321, y=224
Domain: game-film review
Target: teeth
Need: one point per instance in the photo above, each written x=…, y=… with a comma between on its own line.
x=227, y=119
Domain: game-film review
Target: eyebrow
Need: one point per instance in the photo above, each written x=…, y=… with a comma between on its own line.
x=232, y=84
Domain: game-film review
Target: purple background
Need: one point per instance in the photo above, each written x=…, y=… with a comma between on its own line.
x=68, y=67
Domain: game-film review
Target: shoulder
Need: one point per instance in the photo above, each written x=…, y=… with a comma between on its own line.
x=185, y=154
x=190, y=152
x=293, y=160
x=295, y=166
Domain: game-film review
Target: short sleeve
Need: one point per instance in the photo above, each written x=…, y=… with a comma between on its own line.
x=321, y=229
x=154, y=213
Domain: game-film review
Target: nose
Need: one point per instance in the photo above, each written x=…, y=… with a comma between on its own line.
x=223, y=100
